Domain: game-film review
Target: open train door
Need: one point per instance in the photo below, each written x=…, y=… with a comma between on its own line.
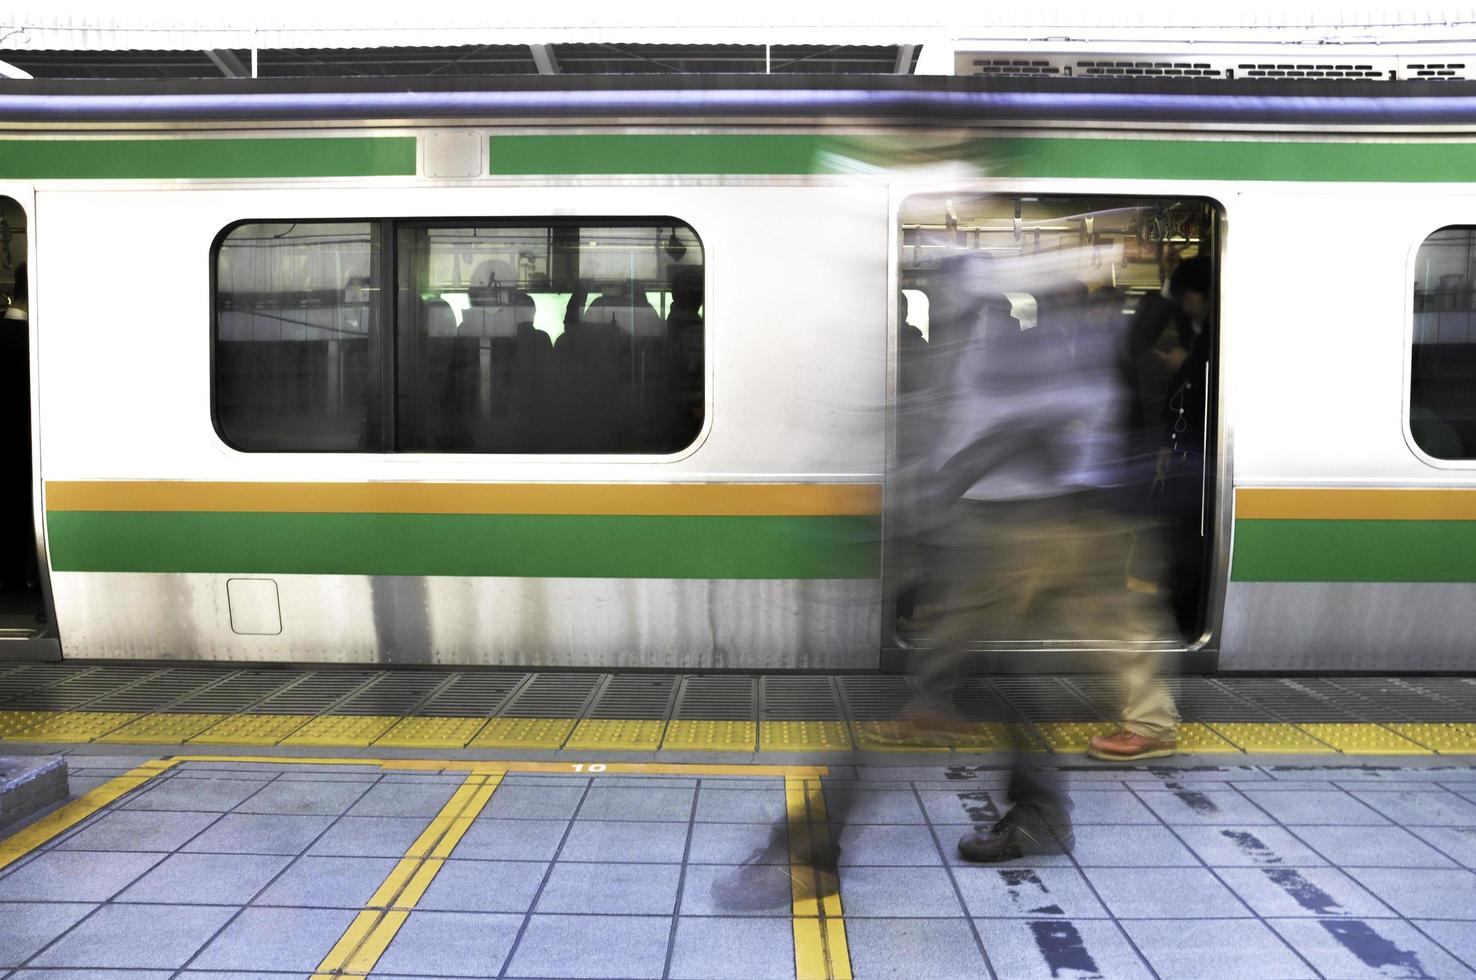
x=1114, y=301
x=25, y=620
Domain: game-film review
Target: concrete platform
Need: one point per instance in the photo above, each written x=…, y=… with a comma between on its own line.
x=290, y=867
x=30, y=783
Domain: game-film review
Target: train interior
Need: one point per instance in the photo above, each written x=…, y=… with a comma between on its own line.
x=1109, y=284
x=22, y=607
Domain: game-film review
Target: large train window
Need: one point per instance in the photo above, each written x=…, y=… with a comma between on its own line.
x=1442, y=375
x=1100, y=314
x=296, y=337
x=566, y=336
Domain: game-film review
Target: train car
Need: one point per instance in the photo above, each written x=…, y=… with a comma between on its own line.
x=571, y=372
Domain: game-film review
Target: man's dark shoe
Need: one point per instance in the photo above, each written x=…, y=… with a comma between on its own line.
x=1027, y=829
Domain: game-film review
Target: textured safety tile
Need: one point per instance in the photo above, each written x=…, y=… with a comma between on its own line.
x=631, y=803
x=1357, y=948
x=733, y=949
x=1130, y=846
x=404, y=800
x=736, y=890
x=593, y=889
x=370, y=836
x=144, y=936
x=992, y=736
x=1364, y=739
x=561, y=946
x=1435, y=807
x=1302, y=892
x=206, y=879
x=74, y=876
x=1458, y=843
x=71, y=726
x=616, y=734
x=1071, y=737
x=635, y=841
x=260, y=833
x=251, y=730
x=1196, y=807
x=511, y=840
x=431, y=733
x=939, y=949
x=536, y=802
x=1198, y=739
x=740, y=805
x=28, y=927
x=1140, y=893
x=163, y=728
x=1434, y=893
x=451, y=944
x=485, y=886
x=734, y=843
x=1064, y=948
x=288, y=940
x=887, y=844
x=1253, y=847
x=710, y=736
x=896, y=736
x=329, y=882
x=1270, y=738
x=344, y=730
x=1238, y=948
x=1372, y=847
x=1447, y=739
x=523, y=733
x=1026, y=893
x=1315, y=807
x=130, y=830
x=858, y=806
x=804, y=736
x=218, y=795
x=301, y=797
x=898, y=892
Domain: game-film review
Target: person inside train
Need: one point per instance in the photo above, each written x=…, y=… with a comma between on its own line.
x=18, y=569
x=685, y=338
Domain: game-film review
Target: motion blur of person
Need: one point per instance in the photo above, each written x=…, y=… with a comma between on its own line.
x=18, y=548
x=1025, y=531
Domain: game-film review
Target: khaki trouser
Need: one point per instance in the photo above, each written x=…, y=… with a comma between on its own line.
x=1049, y=570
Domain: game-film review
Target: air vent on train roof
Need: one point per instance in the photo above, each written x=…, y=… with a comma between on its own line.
x=1282, y=63
x=1287, y=69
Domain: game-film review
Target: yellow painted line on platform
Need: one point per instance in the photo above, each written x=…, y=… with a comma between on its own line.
x=1200, y=739
x=1270, y=737
x=821, y=950
x=617, y=734
x=710, y=736
x=523, y=733
x=72, y=726
x=1364, y=739
x=252, y=730
x=21, y=843
x=431, y=732
x=648, y=499
x=161, y=728
x=549, y=768
x=375, y=927
x=343, y=730
x=804, y=736
x=1446, y=738
x=1354, y=504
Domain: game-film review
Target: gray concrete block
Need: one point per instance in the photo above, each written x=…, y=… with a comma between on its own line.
x=329, y=882
x=30, y=783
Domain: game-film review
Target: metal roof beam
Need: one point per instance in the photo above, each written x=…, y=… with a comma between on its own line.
x=543, y=57
x=904, y=59
x=226, y=61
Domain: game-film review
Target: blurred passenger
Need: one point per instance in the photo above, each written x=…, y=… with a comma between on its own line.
x=18, y=568
x=685, y=332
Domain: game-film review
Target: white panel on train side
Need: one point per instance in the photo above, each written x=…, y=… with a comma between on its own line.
x=796, y=319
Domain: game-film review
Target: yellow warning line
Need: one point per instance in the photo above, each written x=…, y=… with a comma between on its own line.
x=370, y=933
x=23, y=842
x=821, y=951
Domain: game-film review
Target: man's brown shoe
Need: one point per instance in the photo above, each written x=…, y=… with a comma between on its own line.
x=1124, y=746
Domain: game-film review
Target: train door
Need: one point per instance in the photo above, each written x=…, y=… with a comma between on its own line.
x=1047, y=344
x=22, y=604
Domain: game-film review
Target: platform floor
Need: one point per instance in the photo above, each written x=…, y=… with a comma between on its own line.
x=278, y=867
x=673, y=715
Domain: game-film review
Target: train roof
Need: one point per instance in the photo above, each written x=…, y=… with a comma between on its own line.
x=789, y=99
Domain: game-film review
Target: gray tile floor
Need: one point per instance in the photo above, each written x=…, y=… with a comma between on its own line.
x=220, y=870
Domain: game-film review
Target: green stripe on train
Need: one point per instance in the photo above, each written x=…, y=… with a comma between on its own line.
x=354, y=156
x=801, y=154
x=535, y=546
x=1354, y=551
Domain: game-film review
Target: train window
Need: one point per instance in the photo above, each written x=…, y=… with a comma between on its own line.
x=553, y=336
x=295, y=337
x=549, y=337
x=1442, y=376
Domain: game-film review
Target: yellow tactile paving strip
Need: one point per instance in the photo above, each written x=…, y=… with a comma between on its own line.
x=821, y=951
x=646, y=735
